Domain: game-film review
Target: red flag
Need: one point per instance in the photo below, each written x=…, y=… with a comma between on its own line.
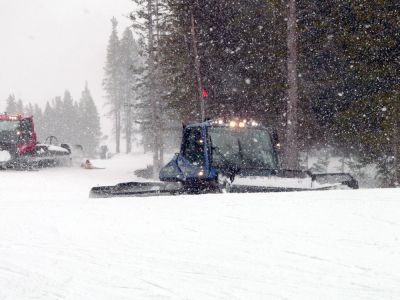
x=204, y=92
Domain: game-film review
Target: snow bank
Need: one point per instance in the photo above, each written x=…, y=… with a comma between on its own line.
x=4, y=156
x=57, y=243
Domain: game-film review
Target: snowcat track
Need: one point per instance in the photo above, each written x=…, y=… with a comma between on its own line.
x=136, y=189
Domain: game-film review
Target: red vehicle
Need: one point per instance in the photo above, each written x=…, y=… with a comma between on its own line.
x=19, y=146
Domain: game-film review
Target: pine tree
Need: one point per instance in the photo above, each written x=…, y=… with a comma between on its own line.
x=68, y=119
x=241, y=59
x=57, y=118
x=89, y=123
x=11, y=105
x=112, y=82
x=29, y=109
x=48, y=122
x=38, y=117
x=347, y=68
x=20, y=106
x=368, y=124
x=370, y=128
x=129, y=62
x=149, y=15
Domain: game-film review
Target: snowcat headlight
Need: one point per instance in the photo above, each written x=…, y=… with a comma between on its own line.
x=232, y=124
x=241, y=124
x=220, y=121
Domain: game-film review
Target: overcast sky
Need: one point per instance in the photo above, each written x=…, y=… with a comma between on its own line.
x=48, y=46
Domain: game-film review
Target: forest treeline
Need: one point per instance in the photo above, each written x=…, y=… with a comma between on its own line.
x=232, y=56
x=68, y=120
x=348, y=73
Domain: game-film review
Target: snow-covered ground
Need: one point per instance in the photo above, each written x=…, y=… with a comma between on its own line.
x=56, y=243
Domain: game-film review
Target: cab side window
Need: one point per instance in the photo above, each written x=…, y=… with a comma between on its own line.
x=193, y=148
x=26, y=129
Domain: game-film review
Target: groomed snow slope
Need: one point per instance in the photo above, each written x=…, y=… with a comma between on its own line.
x=56, y=243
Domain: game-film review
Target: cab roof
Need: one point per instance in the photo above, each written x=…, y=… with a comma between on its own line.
x=227, y=124
x=14, y=117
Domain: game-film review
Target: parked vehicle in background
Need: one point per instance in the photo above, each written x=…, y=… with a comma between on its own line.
x=20, y=149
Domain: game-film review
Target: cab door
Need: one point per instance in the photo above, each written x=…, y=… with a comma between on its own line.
x=192, y=160
x=27, y=137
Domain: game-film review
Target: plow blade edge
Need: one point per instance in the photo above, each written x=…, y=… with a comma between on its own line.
x=137, y=189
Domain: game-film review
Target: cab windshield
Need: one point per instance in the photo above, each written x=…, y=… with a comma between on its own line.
x=242, y=148
x=8, y=131
x=9, y=125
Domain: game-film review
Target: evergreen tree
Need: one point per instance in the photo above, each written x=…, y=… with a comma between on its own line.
x=37, y=111
x=38, y=117
x=112, y=82
x=89, y=122
x=20, y=106
x=369, y=124
x=57, y=118
x=11, y=105
x=29, y=109
x=129, y=62
x=348, y=68
x=69, y=116
x=241, y=49
x=152, y=107
x=370, y=128
x=48, y=122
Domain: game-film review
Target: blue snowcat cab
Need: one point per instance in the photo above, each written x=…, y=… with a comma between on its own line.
x=213, y=151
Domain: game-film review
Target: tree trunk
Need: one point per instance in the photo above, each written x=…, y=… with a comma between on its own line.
x=291, y=147
x=197, y=68
x=117, y=130
x=160, y=141
x=395, y=150
x=128, y=129
x=153, y=100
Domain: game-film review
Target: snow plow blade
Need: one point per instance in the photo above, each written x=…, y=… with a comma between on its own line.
x=135, y=189
x=251, y=184
x=293, y=180
x=344, y=179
